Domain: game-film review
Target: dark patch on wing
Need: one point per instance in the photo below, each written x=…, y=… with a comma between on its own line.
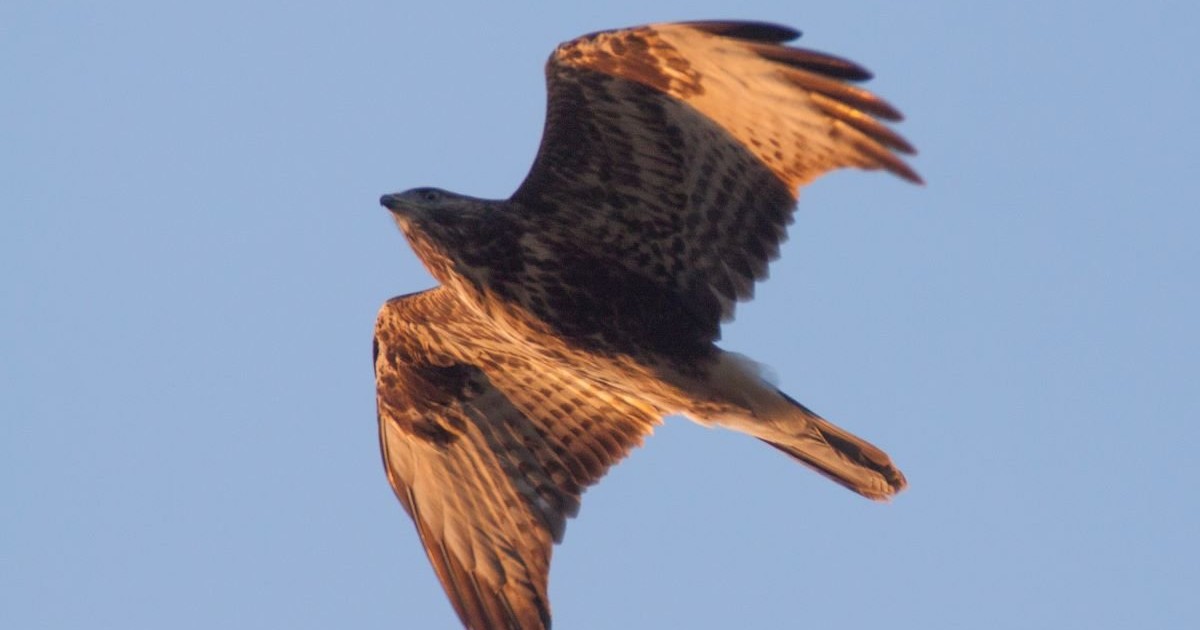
x=641, y=182
x=632, y=173
x=747, y=30
x=814, y=61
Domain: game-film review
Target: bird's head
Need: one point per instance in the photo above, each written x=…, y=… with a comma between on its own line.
x=432, y=212
x=446, y=230
x=424, y=203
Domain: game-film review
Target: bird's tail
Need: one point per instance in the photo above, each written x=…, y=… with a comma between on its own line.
x=836, y=453
x=777, y=419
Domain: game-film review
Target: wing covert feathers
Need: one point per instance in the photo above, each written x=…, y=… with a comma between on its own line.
x=740, y=76
x=676, y=150
x=489, y=453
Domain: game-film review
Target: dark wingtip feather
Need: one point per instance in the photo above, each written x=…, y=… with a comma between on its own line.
x=751, y=31
x=874, y=129
x=851, y=95
x=813, y=61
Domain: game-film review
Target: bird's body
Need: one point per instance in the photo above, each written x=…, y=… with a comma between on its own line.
x=572, y=317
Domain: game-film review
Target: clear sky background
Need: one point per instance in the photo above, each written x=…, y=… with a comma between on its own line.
x=192, y=255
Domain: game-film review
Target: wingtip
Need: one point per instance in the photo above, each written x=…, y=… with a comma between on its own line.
x=826, y=64
x=748, y=30
x=905, y=172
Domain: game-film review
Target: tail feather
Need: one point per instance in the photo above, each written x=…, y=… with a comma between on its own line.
x=841, y=456
x=777, y=419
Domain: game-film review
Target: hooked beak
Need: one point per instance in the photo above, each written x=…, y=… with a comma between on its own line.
x=391, y=202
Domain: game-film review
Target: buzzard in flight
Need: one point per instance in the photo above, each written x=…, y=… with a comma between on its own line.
x=574, y=315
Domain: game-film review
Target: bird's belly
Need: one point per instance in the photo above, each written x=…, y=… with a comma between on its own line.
x=666, y=382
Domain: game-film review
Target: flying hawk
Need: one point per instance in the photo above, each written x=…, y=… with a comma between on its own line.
x=575, y=315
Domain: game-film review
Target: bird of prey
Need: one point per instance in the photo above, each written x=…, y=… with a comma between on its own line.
x=573, y=316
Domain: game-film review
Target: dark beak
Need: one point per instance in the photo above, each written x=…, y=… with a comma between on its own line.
x=391, y=202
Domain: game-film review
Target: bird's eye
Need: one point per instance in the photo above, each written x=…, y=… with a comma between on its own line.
x=431, y=195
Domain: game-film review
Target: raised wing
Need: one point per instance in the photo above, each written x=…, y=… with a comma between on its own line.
x=489, y=453
x=676, y=150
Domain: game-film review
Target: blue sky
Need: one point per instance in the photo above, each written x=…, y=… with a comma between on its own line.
x=193, y=254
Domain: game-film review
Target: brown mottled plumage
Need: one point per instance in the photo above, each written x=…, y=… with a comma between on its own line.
x=576, y=314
